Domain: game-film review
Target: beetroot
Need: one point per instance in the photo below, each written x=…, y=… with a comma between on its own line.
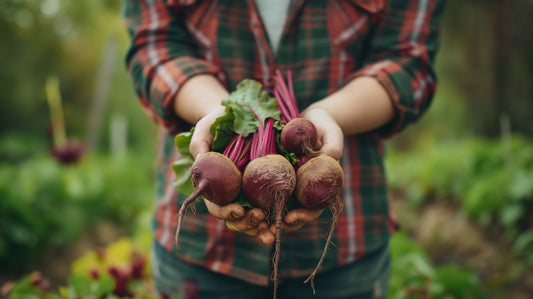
x=268, y=182
x=319, y=185
x=216, y=178
x=300, y=137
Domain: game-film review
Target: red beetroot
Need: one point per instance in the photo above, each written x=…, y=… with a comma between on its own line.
x=216, y=178
x=299, y=136
x=319, y=185
x=268, y=182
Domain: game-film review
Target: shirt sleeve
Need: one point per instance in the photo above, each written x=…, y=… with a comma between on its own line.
x=161, y=57
x=400, y=56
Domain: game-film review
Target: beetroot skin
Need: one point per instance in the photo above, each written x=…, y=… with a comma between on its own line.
x=216, y=178
x=268, y=179
x=320, y=182
x=299, y=136
x=221, y=176
x=268, y=182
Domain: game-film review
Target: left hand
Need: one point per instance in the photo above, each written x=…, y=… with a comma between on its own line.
x=330, y=135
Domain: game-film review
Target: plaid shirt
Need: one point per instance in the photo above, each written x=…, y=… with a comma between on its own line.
x=325, y=44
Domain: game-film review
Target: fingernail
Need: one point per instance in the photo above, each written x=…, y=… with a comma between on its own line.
x=234, y=215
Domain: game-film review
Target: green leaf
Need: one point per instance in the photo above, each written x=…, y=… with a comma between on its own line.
x=223, y=130
x=248, y=102
x=510, y=214
x=524, y=243
x=182, y=141
x=459, y=281
x=183, y=168
x=104, y=285
x=521, y=187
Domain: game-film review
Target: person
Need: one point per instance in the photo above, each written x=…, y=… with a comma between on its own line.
x=363, y=70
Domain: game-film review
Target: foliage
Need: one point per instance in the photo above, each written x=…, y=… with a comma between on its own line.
x=490, y=183
x=413, y=276
x=48, y=204
x=66, y=39
x=120, y=270
x=490, y=179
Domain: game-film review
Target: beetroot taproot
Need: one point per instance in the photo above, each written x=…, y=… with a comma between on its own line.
x=268, y=182
x=319, y=185
x=214, y=177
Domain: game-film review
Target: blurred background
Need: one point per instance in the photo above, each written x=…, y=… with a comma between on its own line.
x=77, y=154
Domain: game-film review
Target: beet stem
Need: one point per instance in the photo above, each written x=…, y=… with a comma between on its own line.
x=196, y=193
x=291, y=91
x=287, y=97
x=285, y=114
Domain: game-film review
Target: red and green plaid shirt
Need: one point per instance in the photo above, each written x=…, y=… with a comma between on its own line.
x=325, y=44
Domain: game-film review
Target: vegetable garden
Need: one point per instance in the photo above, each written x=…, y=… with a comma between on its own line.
x=462, y=190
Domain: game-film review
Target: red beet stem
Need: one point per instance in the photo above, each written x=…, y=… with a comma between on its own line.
x=289, y=96
x=285, y=96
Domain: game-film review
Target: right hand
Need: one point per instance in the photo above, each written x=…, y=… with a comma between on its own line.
x=202, y=138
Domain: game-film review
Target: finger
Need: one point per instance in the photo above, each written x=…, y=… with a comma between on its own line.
x=201, y=139
x=229, y=212
x=249, y=223
x=298, y=216
x=295, y=219
x=285, y=228
x=265, y=235
x=332, y=140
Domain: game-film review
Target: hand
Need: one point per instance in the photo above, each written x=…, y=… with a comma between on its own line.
x=296, y=218
x=330, y=136
x=202, y=138
x=238, y=219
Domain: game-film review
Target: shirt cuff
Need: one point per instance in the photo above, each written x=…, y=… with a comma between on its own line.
x=167, y=81
x=397, y=84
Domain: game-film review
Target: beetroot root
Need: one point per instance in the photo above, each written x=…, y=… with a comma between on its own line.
x=319, y=185
x=300, y=137
x=216, y=178
x=268, y=182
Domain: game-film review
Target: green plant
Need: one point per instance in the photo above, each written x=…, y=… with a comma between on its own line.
x=120, y=270
x=491, y=183
x=47, y=204
x=413, y=275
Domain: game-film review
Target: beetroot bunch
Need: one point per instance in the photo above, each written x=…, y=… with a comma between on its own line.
x=263, y=154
